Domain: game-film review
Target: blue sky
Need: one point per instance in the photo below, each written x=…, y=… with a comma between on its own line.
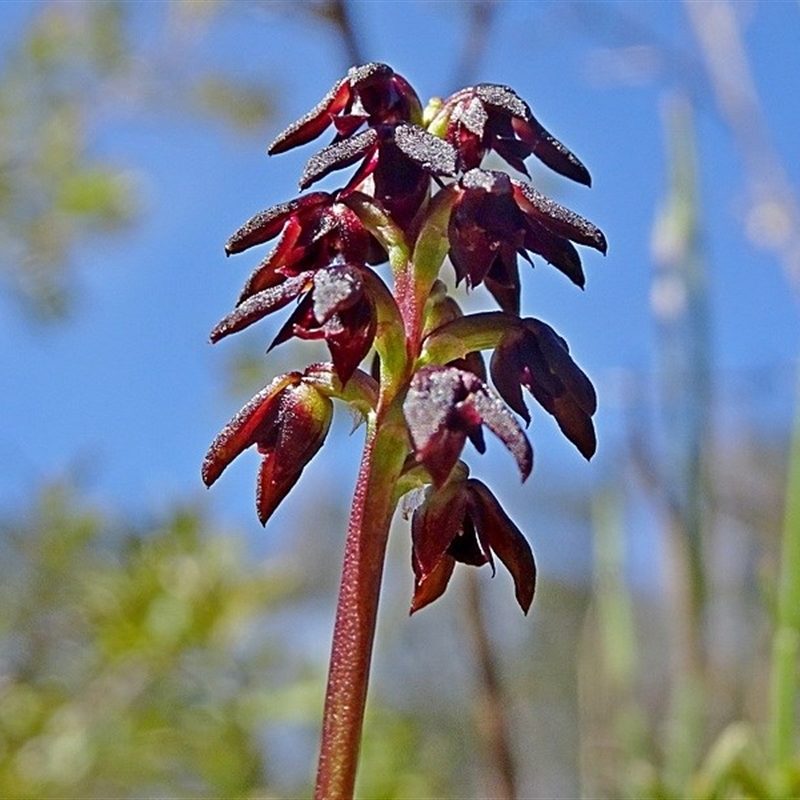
x=129, y=393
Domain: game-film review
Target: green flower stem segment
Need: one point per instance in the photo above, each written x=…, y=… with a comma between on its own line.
x=414, y=285
x=390, y=341
x=356, y=613
x=375, y=219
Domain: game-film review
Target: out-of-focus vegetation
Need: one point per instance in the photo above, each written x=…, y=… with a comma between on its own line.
x=154, y=659
x=76, y=69
x=131, y=659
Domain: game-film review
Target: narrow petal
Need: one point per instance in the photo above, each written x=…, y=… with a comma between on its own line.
x=267, y=224
x=430, y=152
x=505, y=539
x=557, y=218
x=302, y=423
x=535, y=356
x=554, y=348
x=506, y=368
x=556, y=250
x=434, y=526
x=499, y=420
x=349, y=347
x=432, y=586
x=259, y=305
x=266, y=274
x=429, y=408
x=241, y=432
x=314, y=122
x=337, y=156
x=576, y=425
x=444, y=405
x=550, y=151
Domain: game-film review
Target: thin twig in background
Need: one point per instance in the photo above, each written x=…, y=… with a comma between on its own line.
x=480, y=22
x=490, y=700
x=773, y=221
x=340, y=16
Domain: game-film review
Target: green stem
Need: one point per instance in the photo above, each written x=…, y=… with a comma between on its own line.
x=357, y=609
x=786, y=641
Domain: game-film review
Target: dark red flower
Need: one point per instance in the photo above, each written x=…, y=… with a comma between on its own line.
x=371, y=93
x=445, y=406
x=338, y=310
x=462, y=521
x=492, y=117
x=314, y=229
x=336, y=307
x=288, y=421
x=533, y=355
x=496, y=217
x=400, y=158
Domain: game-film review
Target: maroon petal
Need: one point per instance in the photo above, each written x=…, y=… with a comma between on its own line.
x=502, y=424
x=505, y=539
x=506, y=367
x=557, y=218
x=267, y=225
x=266, y=274
x=259, y=305
x=301, y=425
x=470, y=546
x=556, y=250
x=314, y=122
x=434, y=526
x=432, y=586
x=535, y=356
x=555, y=350
x=242, y=431
x=430, y=152
x=550, y=151
x=352, y=341
x=443, y=406
x=337, y=156
x=502, y=281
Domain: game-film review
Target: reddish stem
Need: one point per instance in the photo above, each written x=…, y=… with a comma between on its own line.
x=356, y=612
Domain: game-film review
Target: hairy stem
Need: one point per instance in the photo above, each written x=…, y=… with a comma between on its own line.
x=356, y=612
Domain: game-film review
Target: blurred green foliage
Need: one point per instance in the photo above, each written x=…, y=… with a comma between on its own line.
x=72, y=70
x=130, y=659
x=137, y=661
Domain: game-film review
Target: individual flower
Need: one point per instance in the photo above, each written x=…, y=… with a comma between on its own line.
x=288, y=421
x=399, y=157
x=533, y=355
x=444, y=407
x=495, y=217
x=493, y=117
x=371, y=93
x=340, y=311
x=315, y=229
x=463, y=522
x=335, y=307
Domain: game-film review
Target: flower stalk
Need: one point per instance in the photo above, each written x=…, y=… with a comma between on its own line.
x=417, y=196
x=356, y=611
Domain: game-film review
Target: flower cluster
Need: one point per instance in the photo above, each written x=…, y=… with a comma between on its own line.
x=418, y=194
